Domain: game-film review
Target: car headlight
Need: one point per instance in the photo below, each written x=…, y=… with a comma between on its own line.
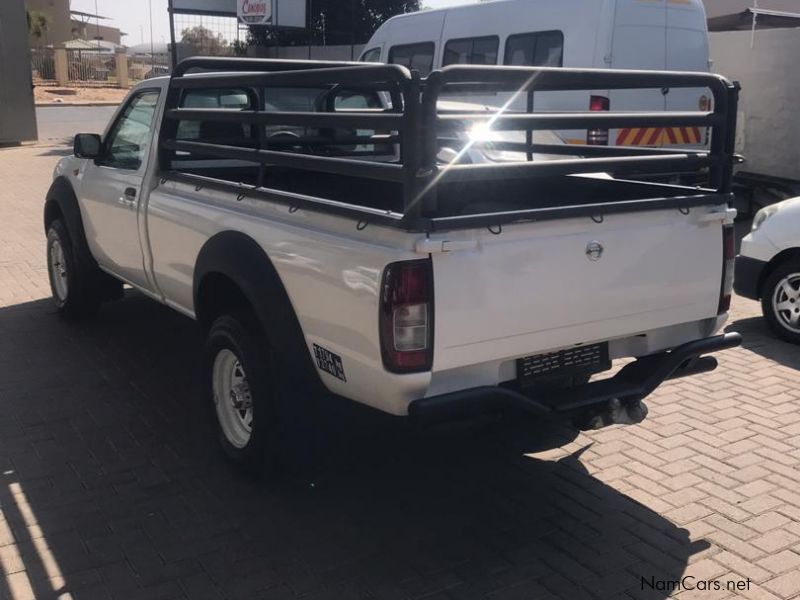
x=762, y=215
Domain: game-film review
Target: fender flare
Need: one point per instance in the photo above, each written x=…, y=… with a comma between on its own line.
x=61, y=196
x=239, y=258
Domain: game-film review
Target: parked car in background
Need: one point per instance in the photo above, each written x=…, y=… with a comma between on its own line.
x=768, y=267
x=619, y=34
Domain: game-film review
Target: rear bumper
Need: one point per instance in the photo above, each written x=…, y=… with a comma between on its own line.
x=747, y=274
x=630, y=385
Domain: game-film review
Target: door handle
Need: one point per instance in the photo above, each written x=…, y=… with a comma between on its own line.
x=128, y=198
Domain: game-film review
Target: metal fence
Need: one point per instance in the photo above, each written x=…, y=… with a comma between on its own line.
x=146, y=66
x=43, y=66
x=91, y=68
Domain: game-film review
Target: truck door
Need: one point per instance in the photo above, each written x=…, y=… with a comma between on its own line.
x=639, y=42
x=112, y=186
x=687, y=50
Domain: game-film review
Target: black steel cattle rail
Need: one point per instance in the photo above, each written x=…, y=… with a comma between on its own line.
x=418, y=128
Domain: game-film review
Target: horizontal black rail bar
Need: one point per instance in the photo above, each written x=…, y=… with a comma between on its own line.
x=587, y=120
x=292, y=199
x=584, y=149
x=317, y=140
x=550, y=168
x=704, y=198
x=361, y=120
x=322, y=164
x=560, y=79
x=359, y=75
x=220, y=63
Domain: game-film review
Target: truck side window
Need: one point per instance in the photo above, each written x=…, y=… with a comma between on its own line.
x=127, y=142
x=471, y=51
x=371, y=55
x=540, y=49
x=414, y=56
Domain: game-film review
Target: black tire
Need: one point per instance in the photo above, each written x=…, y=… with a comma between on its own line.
x=78, y=294
x=265, y=453
x=778, y=319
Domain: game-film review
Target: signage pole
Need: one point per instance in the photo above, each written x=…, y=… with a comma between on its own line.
x=173, y=44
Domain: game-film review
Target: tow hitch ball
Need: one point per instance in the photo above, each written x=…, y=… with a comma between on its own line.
x=617, y=413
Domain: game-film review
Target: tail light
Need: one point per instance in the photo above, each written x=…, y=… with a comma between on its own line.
x=728, y=258
x=406, y=316
x=598, y=137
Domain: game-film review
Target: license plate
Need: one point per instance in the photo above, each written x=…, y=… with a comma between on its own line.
x=580, y=360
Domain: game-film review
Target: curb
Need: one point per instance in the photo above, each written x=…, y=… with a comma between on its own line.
x=97, y=103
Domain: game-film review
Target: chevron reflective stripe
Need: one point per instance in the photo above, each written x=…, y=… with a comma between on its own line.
x=658, y=136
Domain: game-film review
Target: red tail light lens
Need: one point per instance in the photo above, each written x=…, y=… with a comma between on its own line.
x=406, y=316
x=728, y=258
x=598, y=137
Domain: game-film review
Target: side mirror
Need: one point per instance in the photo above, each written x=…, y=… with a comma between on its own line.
x=87, y=145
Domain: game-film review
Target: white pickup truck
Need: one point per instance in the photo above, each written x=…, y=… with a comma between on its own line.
x=335, y=230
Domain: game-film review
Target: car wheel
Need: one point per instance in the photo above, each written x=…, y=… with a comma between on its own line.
x=780, y=301
x=74, y=291
x=244, y=396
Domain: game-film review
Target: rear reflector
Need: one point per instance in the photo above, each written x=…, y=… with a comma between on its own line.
x=406, y=316
x=728, y=258
x=598, y=137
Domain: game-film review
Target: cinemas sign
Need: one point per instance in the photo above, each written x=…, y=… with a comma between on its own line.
x=254, y=12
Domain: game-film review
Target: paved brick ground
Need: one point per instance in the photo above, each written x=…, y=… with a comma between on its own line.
x=111, y=487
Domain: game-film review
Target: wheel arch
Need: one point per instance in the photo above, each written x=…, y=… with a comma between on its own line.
x=61, y=202
x=232, y=270
x=782, y=257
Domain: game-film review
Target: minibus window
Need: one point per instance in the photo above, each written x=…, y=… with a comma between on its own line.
x=471, y=51
x=541, y=49
x=414, y=56
x=372, y=55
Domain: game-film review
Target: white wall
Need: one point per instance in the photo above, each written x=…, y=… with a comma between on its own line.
x=768, y=130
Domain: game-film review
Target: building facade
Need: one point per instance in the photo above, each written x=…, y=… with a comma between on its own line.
x=64, y=26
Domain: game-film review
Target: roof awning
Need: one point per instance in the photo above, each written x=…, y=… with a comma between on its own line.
x=743, y=21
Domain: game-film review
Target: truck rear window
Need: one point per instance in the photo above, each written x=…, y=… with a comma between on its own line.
x=539, y=49
x=471, y=51
x=414, y=56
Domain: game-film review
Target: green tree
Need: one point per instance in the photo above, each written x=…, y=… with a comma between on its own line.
x=38, y=24
x=205, y=42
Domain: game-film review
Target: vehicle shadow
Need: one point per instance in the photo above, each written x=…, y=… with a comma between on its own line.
x=758, y=338
x=112, y=486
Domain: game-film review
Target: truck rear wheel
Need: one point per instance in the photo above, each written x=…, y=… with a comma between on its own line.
x=241, y=379
x=71, y=281
x=780, y=301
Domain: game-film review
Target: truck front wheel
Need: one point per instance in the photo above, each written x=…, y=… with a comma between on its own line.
x=244, y=396
x=74, y=289
x=780, y=301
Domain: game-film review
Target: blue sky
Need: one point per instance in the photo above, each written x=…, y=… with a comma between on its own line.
x=132, y=16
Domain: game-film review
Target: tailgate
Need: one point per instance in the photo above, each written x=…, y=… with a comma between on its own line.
x=536, y=287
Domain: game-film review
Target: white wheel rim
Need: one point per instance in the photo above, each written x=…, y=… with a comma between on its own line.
x=232, y=398
x=786, y=302
x=58, y=270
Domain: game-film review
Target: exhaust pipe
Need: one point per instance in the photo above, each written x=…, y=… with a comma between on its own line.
x=617, y=413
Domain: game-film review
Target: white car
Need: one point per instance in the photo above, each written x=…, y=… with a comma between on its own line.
x=581, y=34
x=331, y=245
x=768, y=267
